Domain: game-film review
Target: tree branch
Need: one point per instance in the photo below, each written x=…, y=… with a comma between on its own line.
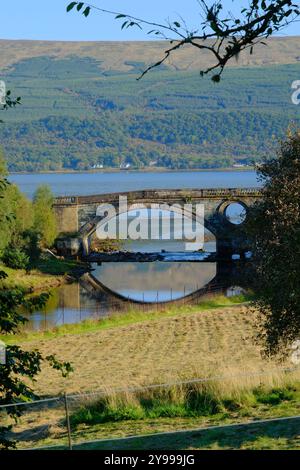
x=261, y=19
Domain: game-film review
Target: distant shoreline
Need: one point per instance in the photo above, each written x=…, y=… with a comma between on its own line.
x=146, y=170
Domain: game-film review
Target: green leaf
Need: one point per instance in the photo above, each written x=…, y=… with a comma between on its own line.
x=71, y=6
x=133, y=23
x=216, y=78
x=120, y=16
x=86, y=12
x=177, y=24
x=80, y=5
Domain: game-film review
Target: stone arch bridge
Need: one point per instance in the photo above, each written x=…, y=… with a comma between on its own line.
x=77, y=214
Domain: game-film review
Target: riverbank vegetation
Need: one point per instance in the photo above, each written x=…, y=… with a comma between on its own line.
x=43, y=274
x=130, y=316
x=26, y=229
x=29, y=281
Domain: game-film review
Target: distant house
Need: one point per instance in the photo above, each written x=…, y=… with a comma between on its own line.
x=125, y=166
x=97, y=166
x=239, y=165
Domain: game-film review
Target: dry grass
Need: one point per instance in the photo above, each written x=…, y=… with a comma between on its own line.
x=203, y=344
x=195, y=344
x=118, y=55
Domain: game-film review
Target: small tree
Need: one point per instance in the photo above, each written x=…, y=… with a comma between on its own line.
x=44, y=217
x=274, y=226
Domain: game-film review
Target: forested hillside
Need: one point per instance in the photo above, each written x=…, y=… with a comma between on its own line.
x=77, y=114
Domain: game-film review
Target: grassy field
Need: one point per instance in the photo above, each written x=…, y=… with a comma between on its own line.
x=183, y=345
x=211, y=340
x=141, y=348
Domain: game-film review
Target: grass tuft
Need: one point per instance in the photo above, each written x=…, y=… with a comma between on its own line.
x=193, y=400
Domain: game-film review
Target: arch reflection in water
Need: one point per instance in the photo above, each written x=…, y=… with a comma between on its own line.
x=73, y=303
x=156, y=281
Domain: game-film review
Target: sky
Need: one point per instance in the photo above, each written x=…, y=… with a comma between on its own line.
x=48, y=20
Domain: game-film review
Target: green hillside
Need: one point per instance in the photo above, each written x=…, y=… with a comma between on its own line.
x=77, y=112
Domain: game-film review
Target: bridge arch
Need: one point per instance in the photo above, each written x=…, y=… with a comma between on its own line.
x=221, y=209
x=89, y=230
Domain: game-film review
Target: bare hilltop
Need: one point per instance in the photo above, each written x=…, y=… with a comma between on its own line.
x=120, y=55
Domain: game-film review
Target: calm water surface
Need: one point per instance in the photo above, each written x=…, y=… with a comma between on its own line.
x=156, y=281
x=144, y=282
x=99, y=183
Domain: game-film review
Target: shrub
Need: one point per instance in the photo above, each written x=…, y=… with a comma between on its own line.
x=273, y=397
x=15, y=258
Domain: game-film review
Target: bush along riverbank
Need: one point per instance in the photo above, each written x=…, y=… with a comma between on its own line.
x=42, y=274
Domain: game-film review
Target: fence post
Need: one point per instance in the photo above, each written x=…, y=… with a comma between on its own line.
x=68, y=421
